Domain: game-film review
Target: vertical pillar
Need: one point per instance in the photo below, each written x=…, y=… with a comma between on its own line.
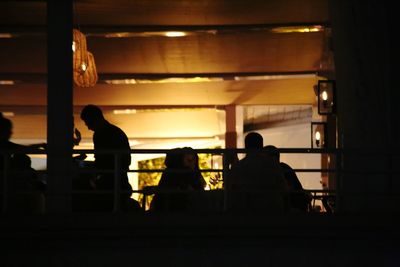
x=230, y=133
x=234, y=126
x=363, y=51
x=233, y=139
x=59, y=105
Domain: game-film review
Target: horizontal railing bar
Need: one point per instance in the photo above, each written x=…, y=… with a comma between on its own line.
x=221, y=151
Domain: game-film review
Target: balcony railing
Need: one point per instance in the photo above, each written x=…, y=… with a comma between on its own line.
x=330, y=198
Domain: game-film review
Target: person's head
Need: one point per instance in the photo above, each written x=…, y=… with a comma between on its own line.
x=92, y=116
x=20, y=161
x=273, y=152
x=190, y=159
x=253, y=140
x=5, y=129
x=173, y=159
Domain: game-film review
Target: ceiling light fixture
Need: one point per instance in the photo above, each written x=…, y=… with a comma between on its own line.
x=121, y=81
x=7, y=82
x=124, y=111
x=175, y=34
x=298, y=29
x=165, y=80
x=5, y=35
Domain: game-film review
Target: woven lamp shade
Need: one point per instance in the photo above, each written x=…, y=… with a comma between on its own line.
x=79, y=48
x=86, y=76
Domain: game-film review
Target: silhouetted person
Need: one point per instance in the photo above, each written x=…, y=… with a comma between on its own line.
x=7, y=145
x=108, y=137
x=16, y=160
x=191, y=162
x=181, y=174
x=26, y=191
x=256, y=182
x=299, y=200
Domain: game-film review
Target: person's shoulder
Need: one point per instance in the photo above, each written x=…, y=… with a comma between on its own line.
x=112, y=128
x=285, y=166
x=12, y=145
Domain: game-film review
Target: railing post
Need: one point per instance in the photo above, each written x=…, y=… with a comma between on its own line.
x=117, y=183
x=144, y=200
x=338, y=201
x=5, y=182
x=227, y=156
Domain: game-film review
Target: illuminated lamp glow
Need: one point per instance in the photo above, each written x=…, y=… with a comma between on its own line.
x=317, y=136
x=124, y=111
x=324, y=96
x=6, y=35
x=7, y=82
x=175, y=34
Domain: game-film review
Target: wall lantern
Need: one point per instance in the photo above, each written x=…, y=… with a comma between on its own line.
x=326, y=97
x=318, y=134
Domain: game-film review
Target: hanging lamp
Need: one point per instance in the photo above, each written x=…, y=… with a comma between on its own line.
x=79, y=48
x=84, y=68
x=86, y=74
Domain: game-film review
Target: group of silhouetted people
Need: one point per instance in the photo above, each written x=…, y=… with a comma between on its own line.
x=258, y=183
x=25, y=188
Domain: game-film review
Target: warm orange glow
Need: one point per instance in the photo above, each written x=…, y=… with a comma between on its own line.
x=7, y=82
x=317, y=136
x=122, y=81
x=166, y=80
x=299, y=29
x=124, y=111
x=175, y=34
x=6, y=35
x=84, y=67
x=324, y=96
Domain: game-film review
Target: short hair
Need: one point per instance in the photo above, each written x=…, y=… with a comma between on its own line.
x=91, y=112
x=253, y=140
x=5, y=124
x=173, y=159
x=273, y=151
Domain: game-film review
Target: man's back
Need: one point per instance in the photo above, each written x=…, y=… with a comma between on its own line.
x=258, y=180
x=110, y=137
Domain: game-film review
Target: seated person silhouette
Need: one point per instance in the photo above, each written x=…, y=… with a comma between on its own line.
x=190, y=161
x=26, y=191
x=108, y=137
x=6, y=128
x=16, y=162
x=181, y=174
x=299, y=200
x=256, y=182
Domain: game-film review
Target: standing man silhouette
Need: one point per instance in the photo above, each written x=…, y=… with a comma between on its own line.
x=108, y=137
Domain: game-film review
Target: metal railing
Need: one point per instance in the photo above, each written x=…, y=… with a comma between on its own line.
x=227, y=154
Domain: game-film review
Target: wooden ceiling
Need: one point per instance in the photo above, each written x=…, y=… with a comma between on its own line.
x=227, y=39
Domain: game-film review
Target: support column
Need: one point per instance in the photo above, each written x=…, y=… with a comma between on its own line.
x=364, y=60
x=234, y=126
x=59, y=105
